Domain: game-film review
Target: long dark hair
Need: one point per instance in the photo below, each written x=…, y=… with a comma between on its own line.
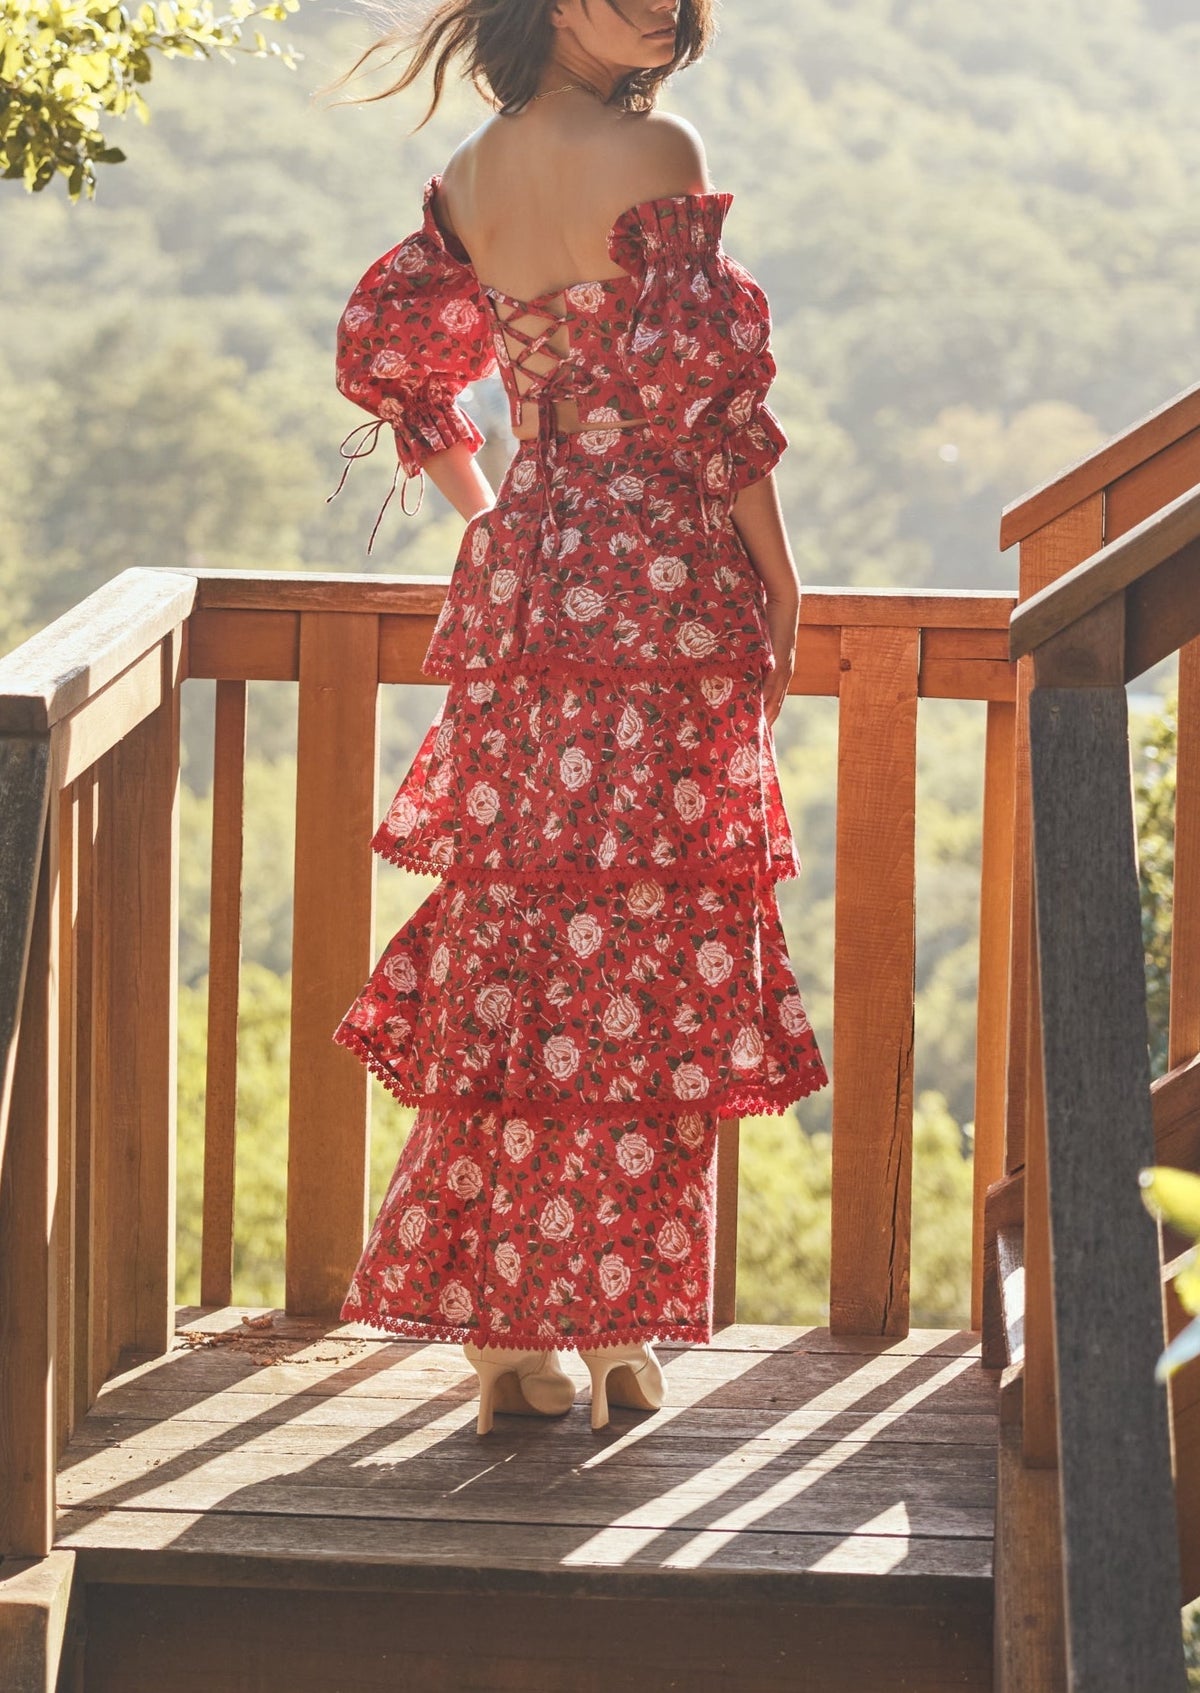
x=503, y=46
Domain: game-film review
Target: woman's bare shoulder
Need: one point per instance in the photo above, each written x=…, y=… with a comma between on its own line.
x=654, y=155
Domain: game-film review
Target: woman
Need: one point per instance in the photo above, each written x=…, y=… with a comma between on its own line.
x=601, y=974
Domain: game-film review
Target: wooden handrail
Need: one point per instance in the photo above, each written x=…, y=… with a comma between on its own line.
x=1097, y=470
x=24, y=794
x=1169, y=537
x=68, y=662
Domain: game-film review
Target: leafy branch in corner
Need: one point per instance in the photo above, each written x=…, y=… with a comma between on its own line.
x=64, y=66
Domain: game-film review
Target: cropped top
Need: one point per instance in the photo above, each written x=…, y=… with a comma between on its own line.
x=682, y=340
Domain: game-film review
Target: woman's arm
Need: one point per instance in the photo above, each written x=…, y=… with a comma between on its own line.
x=758, y=520
x=456, y=474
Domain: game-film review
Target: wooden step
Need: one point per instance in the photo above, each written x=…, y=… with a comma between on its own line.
x=291, y=1508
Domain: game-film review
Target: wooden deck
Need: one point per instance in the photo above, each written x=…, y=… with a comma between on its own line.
x=808, y=1510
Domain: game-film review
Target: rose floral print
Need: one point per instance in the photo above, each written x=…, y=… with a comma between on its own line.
x=601, y=974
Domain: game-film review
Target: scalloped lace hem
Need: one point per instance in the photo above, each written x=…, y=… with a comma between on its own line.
x=417, y=1328
x=777, y=870
x=747, y=1101
x=576, y=667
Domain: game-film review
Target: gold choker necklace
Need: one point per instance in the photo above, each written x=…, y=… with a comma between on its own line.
x=586, y=88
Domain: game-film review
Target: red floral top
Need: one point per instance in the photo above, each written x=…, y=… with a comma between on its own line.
x=683, y=340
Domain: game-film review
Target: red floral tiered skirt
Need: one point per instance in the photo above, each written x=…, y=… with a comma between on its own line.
x=601, y=975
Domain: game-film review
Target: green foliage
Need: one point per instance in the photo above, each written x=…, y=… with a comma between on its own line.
x=260, y=1189
x=1154, y=802
x=784, y=1220
x=64, y=64
x=1174, y=1196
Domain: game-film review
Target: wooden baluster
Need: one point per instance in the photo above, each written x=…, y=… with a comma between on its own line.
x=102, y=1353
x=29, y=824
x=84, y=1026
x=142, y=1022
x=874, y=962
x=725, y=1266
x=329, y=1101
x=64, y=1221
x=991, y=1014
x=224, y=974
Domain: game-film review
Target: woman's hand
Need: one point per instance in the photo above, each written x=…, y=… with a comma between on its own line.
x=783, y=623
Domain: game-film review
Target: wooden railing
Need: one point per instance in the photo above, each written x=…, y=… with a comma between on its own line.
x=89, y=764
x=1091, y=1540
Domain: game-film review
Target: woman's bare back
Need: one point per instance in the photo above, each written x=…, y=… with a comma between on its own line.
x=533, y=197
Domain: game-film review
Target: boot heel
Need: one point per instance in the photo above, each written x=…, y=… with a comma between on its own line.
x=638, y=1380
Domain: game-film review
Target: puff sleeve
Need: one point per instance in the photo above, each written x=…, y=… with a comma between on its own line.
x=413, y=334
x=698, y=341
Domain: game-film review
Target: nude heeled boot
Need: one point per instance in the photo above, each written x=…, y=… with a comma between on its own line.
x=530, y=1384
x=636, y=1376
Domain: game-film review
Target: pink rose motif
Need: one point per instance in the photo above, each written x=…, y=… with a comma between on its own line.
x=695, y=640
x=400, y=972
x=557, y=1219
x=518, y=1139
x=667, y=573
x=674, y=1242
x=455, y=1303
x=689, y=1082
x=626, y=487
x=717, y=689
x=388, y=363
x=354, y=317
x=645, y=897
x=583, y=605
x=585, y=296
x=743, y=767
x=524, y=475
x=608, y=1212
x=584, y=934
x=479, y=693
x=741, y=408
x=560, y=1055
x=503, y=586
x=629, y=727
x=507, y=1261
x=747, y=333
x=460, y=316
x=410, y=257
x=635, y=1155
x=493, y=1004
x=614, y=1276
x=411, y=1231
x=746, y=1053
x=483, y=802
x=793, y=1015
x=689, y=801
x=690, y=1128
x=621, y=1017
x=714, y=961
x=465, y=1178
x=687, y=1019
x=569, y=542
x=574, y=767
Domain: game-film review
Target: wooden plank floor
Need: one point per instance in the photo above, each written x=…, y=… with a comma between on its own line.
x=281, y=1509
x=789, y=1465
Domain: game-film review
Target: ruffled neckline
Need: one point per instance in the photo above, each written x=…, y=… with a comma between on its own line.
x=681, y=222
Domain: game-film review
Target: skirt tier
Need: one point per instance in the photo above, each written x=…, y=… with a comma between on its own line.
x=602, y=974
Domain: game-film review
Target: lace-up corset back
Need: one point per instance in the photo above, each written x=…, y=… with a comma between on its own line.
x=678, y=341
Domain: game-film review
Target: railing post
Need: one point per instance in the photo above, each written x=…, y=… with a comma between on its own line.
x=1121, y=1556
x=329, y=1103
x=29, y=1168
x=874, y=966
